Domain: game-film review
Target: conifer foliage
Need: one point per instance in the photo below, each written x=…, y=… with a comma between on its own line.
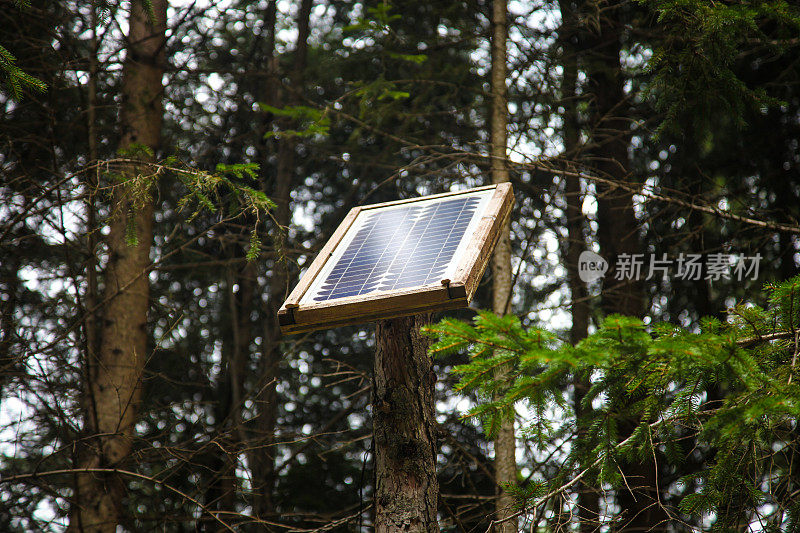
x=657, y=374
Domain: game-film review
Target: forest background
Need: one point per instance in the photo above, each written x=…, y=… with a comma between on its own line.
x=168, y=169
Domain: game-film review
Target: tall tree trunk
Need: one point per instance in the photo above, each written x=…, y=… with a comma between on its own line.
x=617, y=233
x=220, y=494
x=9, y=291
x=115, y=378
x=262, y=435
x=587, y=501
x=617, y=226
x=263, y=459
x=505, y=462
x=90, y=300
x=404, y=425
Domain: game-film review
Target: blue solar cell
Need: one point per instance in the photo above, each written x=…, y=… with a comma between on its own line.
x=400, y=248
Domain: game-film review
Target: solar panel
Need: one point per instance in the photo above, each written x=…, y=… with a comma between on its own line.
x=400, y=248
x=398, y=258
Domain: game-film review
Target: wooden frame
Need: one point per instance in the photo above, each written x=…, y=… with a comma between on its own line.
x=451, y=294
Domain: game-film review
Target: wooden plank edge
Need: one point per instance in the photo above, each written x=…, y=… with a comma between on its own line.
x=475, y=276
x=367, y=299
x=397, y=303
x=319, y=262
x=371, y=303
x=503, y=213
x=476, y=257
x=372, y=316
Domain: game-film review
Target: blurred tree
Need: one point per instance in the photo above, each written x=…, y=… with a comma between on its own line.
x=113, y=380
x=505, y=449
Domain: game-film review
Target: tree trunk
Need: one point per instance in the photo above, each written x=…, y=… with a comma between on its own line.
x=505, y=462
x=404, y=425
x=618, y=234
x=617, y=225
x=115, y=378
x=9, y=291
x=587, y=501
x=499, y=98
x=263, y=458
x=90, y=300
x=220, y=494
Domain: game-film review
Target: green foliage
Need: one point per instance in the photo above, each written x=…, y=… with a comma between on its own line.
x=255, y=245
x=313, y=121
x=378, y=19
x=378, y=90
x=17, y=80
x=136, y=151
x=694, y=70
x=148, y=8
x=416, y=59
x=131, y=237
x=212, y=192
x=660, y=380
x=241, y=198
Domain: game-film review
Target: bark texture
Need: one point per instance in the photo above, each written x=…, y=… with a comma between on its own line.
x=114, y=391
x=505, y=463
x=404, y=424
x=587, y=500
x=618, y=234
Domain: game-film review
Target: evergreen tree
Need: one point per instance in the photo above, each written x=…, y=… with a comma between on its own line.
x=657, y=376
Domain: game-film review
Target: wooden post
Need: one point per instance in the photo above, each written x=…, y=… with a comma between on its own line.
x=404, y=423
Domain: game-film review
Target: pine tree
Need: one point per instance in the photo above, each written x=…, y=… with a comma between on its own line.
x=657, y=376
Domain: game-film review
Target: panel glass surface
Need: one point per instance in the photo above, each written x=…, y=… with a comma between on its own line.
x=399, y=247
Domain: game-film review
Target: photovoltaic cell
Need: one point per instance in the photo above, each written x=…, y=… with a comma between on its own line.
x=400, y=248
x=390, y=259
